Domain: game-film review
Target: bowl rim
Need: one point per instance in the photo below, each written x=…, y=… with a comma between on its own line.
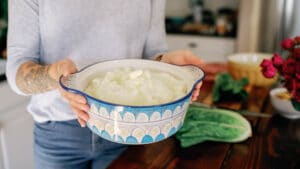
x=274, y=91
x=131, y=106
x=233, y=58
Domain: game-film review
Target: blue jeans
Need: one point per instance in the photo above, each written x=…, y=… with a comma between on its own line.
x=65, y=145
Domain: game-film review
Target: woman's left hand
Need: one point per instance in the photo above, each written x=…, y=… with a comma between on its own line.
x=184, y=58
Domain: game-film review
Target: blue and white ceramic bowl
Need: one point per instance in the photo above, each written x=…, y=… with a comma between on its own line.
x=134, y=124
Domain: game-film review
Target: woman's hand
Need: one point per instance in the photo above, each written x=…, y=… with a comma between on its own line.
x=184, y=58
x=77, y=102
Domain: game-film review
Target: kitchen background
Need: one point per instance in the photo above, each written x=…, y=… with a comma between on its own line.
x=212, y=29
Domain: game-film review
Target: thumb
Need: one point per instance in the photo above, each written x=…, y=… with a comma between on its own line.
x=67, y=68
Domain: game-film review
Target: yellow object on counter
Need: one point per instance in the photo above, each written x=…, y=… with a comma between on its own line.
x=248, y=65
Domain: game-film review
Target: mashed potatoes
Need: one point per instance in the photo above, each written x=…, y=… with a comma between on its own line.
x=128, y=86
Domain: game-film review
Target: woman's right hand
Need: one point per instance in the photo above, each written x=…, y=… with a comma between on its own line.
x=77, y=102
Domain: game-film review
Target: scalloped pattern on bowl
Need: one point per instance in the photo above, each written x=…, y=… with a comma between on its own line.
x=142, y=126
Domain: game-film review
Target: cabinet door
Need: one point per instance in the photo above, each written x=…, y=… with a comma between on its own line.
x=17, y=140
x=211, y=49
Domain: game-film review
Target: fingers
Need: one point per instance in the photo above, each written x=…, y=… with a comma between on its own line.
x=80, y=111
x=196, y=91
x=81, y=114
x=81, y=122
x=78, y=105
x=199, y=85
x=195, y=94
x=82, y=117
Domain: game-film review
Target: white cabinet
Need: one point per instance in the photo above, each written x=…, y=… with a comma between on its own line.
x=16, y=131
x=211, y=49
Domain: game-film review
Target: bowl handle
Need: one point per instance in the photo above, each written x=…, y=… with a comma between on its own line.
x=69, y=83
x=197, y=73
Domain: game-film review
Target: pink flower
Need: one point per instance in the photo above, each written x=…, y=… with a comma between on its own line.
x=297, y=84
x=296, y=53
x=277, y=60
x=266, y=63
x=293, y=91
x=297, y=70
x=287, y=44
x=288, y=82
x=296, y=90
x=288, y=66
x=297, y=39
x=268, y=70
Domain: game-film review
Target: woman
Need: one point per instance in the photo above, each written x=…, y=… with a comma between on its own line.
x=50, y=38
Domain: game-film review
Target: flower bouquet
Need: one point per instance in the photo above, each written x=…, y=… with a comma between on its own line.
x=288, y=68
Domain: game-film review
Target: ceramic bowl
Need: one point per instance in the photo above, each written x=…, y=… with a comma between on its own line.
x=248, y=65
x=134, y=124
x=282, y=106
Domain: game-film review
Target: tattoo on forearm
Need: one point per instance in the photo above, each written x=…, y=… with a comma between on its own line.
x=33, y=78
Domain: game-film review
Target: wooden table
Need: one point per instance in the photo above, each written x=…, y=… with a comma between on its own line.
x=275, y=144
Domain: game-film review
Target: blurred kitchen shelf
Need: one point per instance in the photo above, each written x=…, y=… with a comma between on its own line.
x=201, y=35
x=181, y=27
x=211, y=49
x=198, y=35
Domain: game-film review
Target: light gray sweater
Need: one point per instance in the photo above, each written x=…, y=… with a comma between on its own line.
x=46, y=31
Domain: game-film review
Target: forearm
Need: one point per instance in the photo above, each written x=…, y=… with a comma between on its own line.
x=32, y=78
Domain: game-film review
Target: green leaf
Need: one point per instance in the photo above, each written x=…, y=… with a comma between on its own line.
x=205, y=124
x=296, y=104
x=226, y=87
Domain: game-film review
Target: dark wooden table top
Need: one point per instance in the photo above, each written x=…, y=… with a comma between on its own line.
x=275, y=144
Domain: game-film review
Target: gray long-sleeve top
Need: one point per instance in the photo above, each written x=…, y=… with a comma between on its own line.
x=45, y=31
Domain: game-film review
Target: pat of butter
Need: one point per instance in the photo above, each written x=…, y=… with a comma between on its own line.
x=135, y=74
